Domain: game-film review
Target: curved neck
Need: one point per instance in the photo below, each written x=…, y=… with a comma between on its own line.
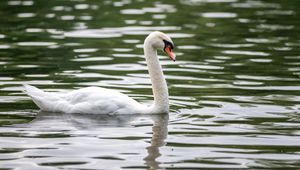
x=159, y=85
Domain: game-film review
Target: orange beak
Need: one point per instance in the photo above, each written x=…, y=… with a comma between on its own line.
x=168, y=50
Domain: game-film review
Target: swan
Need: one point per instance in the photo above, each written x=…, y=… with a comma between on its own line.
x=97, y=100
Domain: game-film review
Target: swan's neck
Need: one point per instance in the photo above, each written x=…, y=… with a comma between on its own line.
x=159, y=85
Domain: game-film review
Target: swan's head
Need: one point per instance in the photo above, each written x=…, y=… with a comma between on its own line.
x=160, y=40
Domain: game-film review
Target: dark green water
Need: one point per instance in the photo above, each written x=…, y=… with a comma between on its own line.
x=234, y=89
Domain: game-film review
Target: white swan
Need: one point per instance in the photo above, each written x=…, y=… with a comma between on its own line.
x=105, y=101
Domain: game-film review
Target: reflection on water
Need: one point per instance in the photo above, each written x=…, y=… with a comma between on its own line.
x=234, y=90
x=93, y=137
x=159, y=134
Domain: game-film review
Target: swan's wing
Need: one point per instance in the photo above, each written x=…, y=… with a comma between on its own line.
x=100, y=100
x=86, y=100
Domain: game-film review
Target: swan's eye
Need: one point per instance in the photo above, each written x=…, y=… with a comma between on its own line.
x=168, y=44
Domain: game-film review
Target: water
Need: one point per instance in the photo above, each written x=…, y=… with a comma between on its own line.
x=234, y=89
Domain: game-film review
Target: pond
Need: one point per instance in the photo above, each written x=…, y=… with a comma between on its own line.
x=234, y=89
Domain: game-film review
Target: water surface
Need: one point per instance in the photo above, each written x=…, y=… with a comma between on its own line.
x=234, y=89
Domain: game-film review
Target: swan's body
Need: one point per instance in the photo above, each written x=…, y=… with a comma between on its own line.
x=105, y=101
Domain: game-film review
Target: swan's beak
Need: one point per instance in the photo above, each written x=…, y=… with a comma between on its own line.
x=168, y=50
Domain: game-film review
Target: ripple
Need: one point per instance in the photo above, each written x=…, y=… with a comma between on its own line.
x=159, y=16
x=127, y=55
x=59, y=8
x=282, y=48
x=92, y=59
x=255, y=4
x=36, y=75
x=261, y=60
x=214, y=61
x=275, y=12
x=117, y=67
x=132, y=11
x=249, y=53
x=118, y=32
x=55, y=31
x=219, y=15
x=86, y=18
x=21, y=3
x=247, y=83
x=291, y=44
x=236, y=82
x=10, y=99
x=262, y=40
x=205, y=67
x=34, y=30
x=2, y=36
x=36, y=43
x=85, y=50
x=263, y=78
x=223, y=57
x=121, y=3
x=50, y=15
x=122, y=49
x=82, y=6
x=231, y=45
x=86, y=75
x=27, y=66
x=292, y=57
x=3, y=46
x=138, y=82
x=67, y=17
x=6, y=78
x=181, y=35
x=146, y=22
x=158, y=9
x=189, y=47
x=275, y=27
x=180, y=78
x=131, y=41
x=26, y=15
x=59, y=163
x=200, y=2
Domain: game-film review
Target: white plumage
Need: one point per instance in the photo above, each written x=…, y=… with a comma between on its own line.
x=95, y=100
x=99, y=100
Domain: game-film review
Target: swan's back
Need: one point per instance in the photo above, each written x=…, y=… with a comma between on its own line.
x=86, y=100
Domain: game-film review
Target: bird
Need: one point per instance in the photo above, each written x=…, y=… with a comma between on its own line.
x=98, y=100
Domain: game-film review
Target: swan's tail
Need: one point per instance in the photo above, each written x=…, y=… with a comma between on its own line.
x=44, y=100
x=32, y=91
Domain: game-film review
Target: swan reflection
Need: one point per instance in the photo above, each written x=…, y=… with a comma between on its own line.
x=92, y=124
x=159, y=134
